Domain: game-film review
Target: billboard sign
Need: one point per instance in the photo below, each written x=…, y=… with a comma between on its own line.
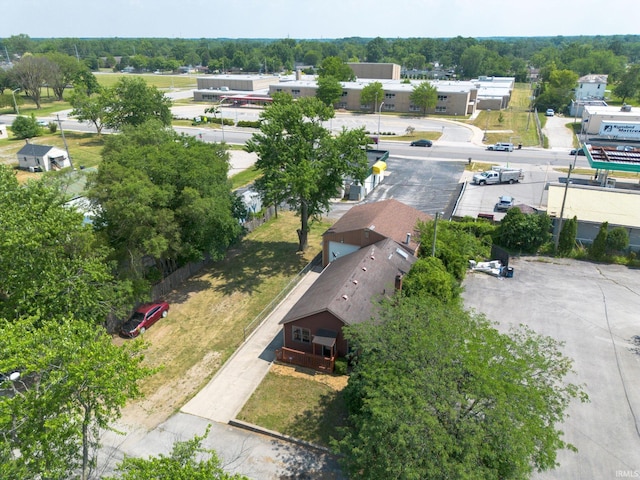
x=620, y=130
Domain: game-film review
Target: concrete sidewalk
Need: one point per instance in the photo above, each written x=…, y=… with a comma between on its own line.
x=227, y=392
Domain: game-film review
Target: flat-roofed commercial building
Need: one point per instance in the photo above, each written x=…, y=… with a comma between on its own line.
x=454, y=98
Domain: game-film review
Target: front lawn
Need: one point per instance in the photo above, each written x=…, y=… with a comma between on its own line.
x=309, y=405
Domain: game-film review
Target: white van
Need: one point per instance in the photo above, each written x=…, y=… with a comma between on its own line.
x=501, y=147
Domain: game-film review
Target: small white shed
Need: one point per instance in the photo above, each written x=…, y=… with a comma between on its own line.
x=42, y=158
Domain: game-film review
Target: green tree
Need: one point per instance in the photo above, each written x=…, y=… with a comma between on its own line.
x=64, y=70
x=73, y=383
x=438, y=392
x=425, y=96
x=329, y=90
x=558, y=90
x=523, y=232
x=301, y=162
x=376, y=50
x=133, y=102
x=457, y=242
x=51, y=264
x=86, y=81
x=25, y=127
x=188, y=461
x=472, y=60
x=598, y=248
x=372, y=94
x=337, y=68
x=617, y=239
x=628, y=85
x=91, y=108
x=165, y=196
x=567, y=240
x=31, y=73
x=415, y=61
x=428, y=276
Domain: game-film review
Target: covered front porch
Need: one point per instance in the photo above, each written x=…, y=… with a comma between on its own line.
x=321, y=358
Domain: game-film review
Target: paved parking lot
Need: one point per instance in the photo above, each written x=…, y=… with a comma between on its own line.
x=594, y=310
x=530, y=191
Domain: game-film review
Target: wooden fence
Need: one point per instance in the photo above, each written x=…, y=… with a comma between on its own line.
x=182, y=274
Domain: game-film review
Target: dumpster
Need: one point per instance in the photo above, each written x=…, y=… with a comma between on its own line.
x=509, y=272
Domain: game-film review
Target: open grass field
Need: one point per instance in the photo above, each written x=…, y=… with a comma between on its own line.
x=210, y=311
x=514, y=124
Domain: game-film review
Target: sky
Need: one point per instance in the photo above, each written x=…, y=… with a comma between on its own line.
x=319, y=19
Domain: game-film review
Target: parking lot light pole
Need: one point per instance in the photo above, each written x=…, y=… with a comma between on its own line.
x=379, y=109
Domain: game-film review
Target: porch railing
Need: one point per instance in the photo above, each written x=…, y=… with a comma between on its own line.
x=303, y=359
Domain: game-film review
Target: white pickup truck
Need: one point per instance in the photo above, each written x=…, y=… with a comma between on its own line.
x=498, y=175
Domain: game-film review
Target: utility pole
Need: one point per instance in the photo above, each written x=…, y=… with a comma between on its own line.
x=66, y=147
x=564, y=198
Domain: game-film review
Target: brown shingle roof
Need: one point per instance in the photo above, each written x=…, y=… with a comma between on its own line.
x=390, y=218
x=349, y=286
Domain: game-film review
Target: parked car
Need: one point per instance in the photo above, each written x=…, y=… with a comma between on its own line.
x=505, y=202
x=144, y=316
x=579, y=151
x=421, y=143
x=625, y=148
x=550, y=112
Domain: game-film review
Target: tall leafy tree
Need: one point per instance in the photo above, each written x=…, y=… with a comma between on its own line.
x=523, y=232
x=165, y=196
x=329, y=90
x=31, y=73
x=302, y=163
x=91, y=108
x=188, y=460
x=73, y=381
x=64, y=70
x=133, y=102
x=51, y=264
x=628, y=85
x=438, y=392
x=372, y=94
x=337, y=68
x=425, y=96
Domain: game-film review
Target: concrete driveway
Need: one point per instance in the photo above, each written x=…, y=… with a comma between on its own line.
x=593, y=309
x=559, y=133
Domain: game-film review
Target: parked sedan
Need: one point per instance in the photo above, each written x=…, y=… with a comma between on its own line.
x=421, y=143
x=144, y=316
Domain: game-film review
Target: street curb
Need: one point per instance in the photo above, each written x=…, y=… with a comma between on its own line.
x=272, y=433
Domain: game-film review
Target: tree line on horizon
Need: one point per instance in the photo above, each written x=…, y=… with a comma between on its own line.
x=467, y=57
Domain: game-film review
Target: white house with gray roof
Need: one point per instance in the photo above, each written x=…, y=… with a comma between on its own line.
x=42, y=158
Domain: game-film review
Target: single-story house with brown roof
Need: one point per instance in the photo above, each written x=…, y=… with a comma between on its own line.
x=367, y=224
x=346, y=293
